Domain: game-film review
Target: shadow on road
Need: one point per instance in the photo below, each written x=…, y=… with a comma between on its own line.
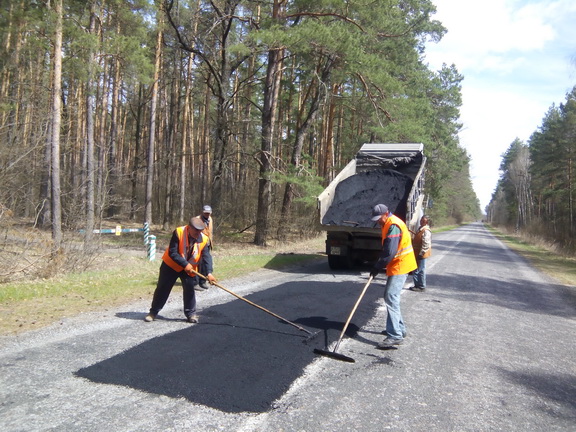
x=560, y=388
x=516, y=294
x=239, y=358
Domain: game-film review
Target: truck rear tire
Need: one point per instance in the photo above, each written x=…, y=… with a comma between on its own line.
x=338, y=262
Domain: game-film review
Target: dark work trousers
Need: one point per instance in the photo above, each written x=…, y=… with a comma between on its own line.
x=203, y=270
x=166, y=280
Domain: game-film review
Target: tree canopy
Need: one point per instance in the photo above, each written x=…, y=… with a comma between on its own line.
x=246, y=105
x=536, y=190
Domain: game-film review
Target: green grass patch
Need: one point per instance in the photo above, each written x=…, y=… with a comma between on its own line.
x=33, y=304
x=90, y=285
x=232, y=266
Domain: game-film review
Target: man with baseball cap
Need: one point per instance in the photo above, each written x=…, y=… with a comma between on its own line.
x=187, y=249
x=397, y=257
x=206, y=217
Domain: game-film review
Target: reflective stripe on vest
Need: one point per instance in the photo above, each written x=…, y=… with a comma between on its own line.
x=404, y=260
x=182, y=233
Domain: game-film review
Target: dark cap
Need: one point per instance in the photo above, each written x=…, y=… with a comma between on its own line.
x=197, y=223
x=206, y=209
x=378, y=211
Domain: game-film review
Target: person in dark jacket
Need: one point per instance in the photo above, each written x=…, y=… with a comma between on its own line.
x=187, y=249
x=422, y=243
x=206, y=217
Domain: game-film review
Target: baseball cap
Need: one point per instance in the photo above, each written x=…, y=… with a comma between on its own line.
x=206, y=209
x=378, y=211
x=197, y=223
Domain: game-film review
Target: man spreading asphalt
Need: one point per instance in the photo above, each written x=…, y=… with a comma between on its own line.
x=397, y=257
x=187, y=249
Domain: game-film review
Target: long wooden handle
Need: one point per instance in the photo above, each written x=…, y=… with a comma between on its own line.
x=254, y=304
x=352, y=313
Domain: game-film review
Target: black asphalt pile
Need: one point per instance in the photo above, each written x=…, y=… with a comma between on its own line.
x=356, y=196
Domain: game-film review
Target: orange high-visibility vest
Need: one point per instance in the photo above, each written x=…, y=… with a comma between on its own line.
x=417, y=242
x=404, y=261
x=182, y=233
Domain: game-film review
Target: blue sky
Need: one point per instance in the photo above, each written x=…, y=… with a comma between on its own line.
x=518, y=57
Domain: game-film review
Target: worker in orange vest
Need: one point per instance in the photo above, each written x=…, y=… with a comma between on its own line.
x=397, y=257
x=187, y=249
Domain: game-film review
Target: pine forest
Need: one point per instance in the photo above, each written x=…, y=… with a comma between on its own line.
x=537, y=188
x=143, y=111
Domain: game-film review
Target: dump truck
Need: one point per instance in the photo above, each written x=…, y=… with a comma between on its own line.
x=391, y=174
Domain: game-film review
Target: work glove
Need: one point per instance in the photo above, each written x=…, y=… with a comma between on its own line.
x=188, y=270
x=211, y=279
x=374, y=272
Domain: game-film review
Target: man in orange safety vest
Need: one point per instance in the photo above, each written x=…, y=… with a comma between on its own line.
x=187, y=249
x=397, y=257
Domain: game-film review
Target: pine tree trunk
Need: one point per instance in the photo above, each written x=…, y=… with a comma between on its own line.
x=90, y=104
x=269, y=117
x=299, y=141
x=186, y=145
x=101, y=125
x=204, y=168
x=328, y=159
x=271, y=91
x=56, y=113
x=136, y=164
x=152, y=128
x=45, y=216
x=172, y=116
x=112, y=208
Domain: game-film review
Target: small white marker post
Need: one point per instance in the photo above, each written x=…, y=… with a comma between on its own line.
x=151, y=248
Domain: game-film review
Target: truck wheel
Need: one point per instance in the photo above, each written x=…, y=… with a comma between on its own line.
x=334, y=262
x=337, y=262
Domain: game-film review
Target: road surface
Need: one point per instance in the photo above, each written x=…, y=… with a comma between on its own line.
x=490, y=347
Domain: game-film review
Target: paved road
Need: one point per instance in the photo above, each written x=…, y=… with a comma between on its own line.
x=490, y=347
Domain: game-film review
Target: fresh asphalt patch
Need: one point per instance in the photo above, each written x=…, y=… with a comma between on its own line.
x=239, y=358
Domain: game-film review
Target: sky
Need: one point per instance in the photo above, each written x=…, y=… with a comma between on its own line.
x=518, y=58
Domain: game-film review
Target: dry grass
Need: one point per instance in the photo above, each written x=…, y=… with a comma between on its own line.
x=119, y=273
x=544, y=256
x=27, y=305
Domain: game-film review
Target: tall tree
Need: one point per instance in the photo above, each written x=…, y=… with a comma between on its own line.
x=152, y=127
x=552, y=150
x=269, y=117
x=307, y=118
x=546, y=154
x=90, y=104
x=514, y=186
x=219, y=46
x=519, y=175
x=55, y=127
x=112, y=162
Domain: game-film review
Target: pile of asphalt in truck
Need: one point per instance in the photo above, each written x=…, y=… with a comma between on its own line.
x=355, y=197
x=381, y=173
